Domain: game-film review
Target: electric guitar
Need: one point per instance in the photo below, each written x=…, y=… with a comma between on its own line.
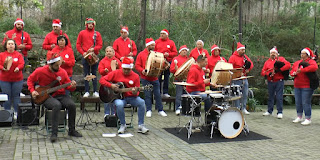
x=108, y=95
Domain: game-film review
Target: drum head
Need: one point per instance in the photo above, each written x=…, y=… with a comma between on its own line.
x=149, y=62
x=185, y=66
x=231, y=122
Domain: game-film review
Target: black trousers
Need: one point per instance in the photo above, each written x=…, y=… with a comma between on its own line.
x=56, y=104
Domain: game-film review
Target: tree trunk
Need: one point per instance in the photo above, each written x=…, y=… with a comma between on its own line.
x=261, y=11
x=142, y=32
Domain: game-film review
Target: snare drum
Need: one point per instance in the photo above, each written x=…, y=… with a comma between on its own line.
x=232, y=91
x=186, y=102
x=156, y=63
x=221, y=77
x=182, y=71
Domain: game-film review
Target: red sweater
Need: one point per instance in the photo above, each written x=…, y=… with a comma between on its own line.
x=131, y=80
x=212, y=61
x=180, y=59
x=18, y=39
x=18, y=61
x=269, y=66
x=195, y=53
x=301, y=80
x=44, y=76
x=51, y=38
x=238, y=61
x=196, y=76
x=123, y=47
x=140, y=65
x=68, y=56
x=86, y=39
x=106, y=63
x=166, y=45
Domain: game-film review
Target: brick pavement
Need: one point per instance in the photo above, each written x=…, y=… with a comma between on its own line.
x=289, y=141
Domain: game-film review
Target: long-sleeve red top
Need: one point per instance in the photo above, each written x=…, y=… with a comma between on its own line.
x=196, y=52
x=67, y=55
x=212, y=61
x=106, y=63
x=238, y=61
x=51, y=38
x=140, y=65
x=129, y=81
x=123, y=47
x=301, y=80
x=268, y=68
x=86, y=40
x=196, y=76
x=17, y=61
x=18, y=39
x=166, y=45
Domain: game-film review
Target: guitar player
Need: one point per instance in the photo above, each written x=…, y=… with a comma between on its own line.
x=52, y=75
x=130, y=80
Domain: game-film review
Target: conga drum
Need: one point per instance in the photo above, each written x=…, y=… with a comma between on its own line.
x=8, y=62
x=156, y=63
x=221, y=77
x=182, y=71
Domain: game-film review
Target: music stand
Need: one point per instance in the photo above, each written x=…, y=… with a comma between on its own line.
x=84, y=118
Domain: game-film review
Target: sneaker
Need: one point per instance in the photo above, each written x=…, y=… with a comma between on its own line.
x=297, y=120
x=105, y=115
x=178, y=112
x=162, y=113
x=306, y=122
x=266, y=114
x=122, y=129
x=22, y=95
x=280, y=115
x=166, y=95
x=87, y=94
x=142, y=129
x=95, y=94
x=74, y=133
x=149, y=113
x=53, y=138
x=245, y=111
x=67, y=116
x=15, y=115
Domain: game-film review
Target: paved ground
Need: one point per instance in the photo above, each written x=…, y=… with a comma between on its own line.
x=289, y=141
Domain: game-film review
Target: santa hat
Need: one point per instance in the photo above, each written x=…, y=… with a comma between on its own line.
x=309, y=52
x=183, y=47
x=52, y=57
x=213, y=47
x=200, y=41
x=149, y=41
x=18, y=20
x=56, y=22
x=165, y=31
x=127, y=63
x=240, y=46
x=90, y=20
x=125, y=29
x=274, y=49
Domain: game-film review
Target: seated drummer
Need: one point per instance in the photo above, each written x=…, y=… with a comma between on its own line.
x=196, y=76
x=130, y=79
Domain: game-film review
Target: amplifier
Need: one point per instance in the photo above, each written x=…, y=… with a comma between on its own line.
x=28, y=115
x=111, y=121
x=6, y=118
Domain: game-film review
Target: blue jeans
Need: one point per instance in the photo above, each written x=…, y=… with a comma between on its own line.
x=165, y=88
x=156, y=93
x=12, y=89
x=87, y=69
x=134, y=101
x=107, y=107
x=206, y=98
x=275, y=90
x=179, y=92
x=243, y=100
x=303, y=98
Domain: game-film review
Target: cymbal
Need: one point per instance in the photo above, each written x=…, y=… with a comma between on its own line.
x=243, y=77
x=210, y=92
x=183, y=84
x=233, y=69
x=233, y=98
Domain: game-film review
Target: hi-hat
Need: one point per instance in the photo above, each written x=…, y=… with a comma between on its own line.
x=183, y=84
x=243, y=77
x=210, y=92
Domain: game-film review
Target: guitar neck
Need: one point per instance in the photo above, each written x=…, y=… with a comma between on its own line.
x=130, y=89
x=53, y=89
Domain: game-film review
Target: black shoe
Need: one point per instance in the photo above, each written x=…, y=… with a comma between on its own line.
x=74, y=133
x=53, y=138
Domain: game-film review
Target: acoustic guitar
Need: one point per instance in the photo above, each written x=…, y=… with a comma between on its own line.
x=108, y=95
x=45, y=91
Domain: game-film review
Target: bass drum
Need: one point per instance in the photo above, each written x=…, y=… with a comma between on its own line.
x=231, y=122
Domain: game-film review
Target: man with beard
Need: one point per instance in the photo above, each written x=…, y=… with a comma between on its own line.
x=50, y=41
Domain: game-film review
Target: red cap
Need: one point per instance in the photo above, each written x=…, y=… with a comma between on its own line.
x=18, y=20
x=213, y=47
x=183, y=47
x=56, y=22
x=127, y=63
x=165, y=31
x=149, y=41
x=240, y=46
x=52, y=57
x=125, y=29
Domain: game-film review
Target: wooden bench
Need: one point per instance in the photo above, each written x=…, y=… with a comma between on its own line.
x=170, y=100
x=291, y=83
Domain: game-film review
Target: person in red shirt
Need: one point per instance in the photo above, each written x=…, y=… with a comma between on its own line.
x=169, y=50
x=214, y=58
x=50, y=41
x=53, y=74
x=240, y=60
x=130, y=79
x=197, y=77
x=305, y=82
x=141, y=61
x=177, y=62
x=275, y=79
x=198, y=50
x=124, y=46
x=11, y=79
x=104, y=69
x=89, y=40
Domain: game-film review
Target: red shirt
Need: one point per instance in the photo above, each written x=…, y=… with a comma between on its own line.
x=123, y=47
x=196, y=52
x=106, y=63
x=44, y=76
x=17, y=61
x=51, y=38
x=140, y=65
x=212, y=61
x=86, y=39
x=269, y=66
x=180, y=59
x=196, y=76
x=67, y=55
x=301, y=80
x=18, y=39
x=131, y=80
x=166, y=45
x=238, y=61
